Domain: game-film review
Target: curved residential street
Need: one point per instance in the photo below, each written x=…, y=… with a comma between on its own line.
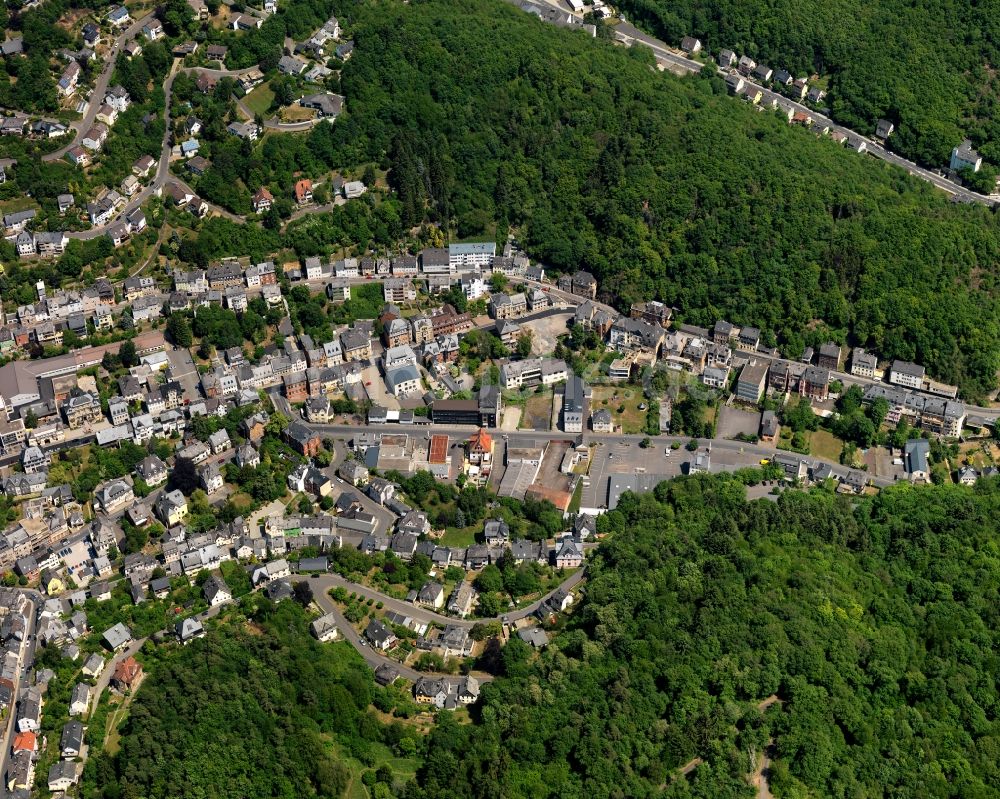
x=100, y=88
x=327, y=581
x=371, y=657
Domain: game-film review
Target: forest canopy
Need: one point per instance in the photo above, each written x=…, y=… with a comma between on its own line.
x=246, y=712
x=664, y=188
x=928, y=67
x=857, y=636
x=874, y=627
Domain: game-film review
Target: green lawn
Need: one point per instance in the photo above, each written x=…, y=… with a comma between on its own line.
x=574, y=505
x=260, y=99
x=628, y=398
x=459, y=536
x=824, y=444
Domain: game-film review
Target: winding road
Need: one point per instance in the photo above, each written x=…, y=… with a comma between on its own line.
x=628, y=34
x=81, y=126
x=372, y=657
x=162, y=176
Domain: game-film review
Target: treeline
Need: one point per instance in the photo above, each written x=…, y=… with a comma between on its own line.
x=247, y=712
x=664, y=188
x=873, y=624
x=925, y=66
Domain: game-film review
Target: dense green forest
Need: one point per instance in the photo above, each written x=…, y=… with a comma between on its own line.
x=875, y=626
x=248, y=711
x=664, y=188
x=868, y=628
x=929, y=67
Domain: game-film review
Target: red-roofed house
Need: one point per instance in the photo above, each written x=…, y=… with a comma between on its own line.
x=127, y=674
x=303, y=191
x=480, y=455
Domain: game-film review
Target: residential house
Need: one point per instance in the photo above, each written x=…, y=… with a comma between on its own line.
x=117, y=637
x=325, y=628
x=216, y=591
x=325, y=104
x=916, y=454
x=863, y=364
x=79, y=702
x=431, y=595
x=303, y=191
x=829, y=356
x=262, y=200
x=690, y=45
x=815, y=383
x=380, y=636
x=601, y=421
x=126, y=674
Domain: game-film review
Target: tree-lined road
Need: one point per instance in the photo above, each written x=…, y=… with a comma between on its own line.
x=628, y=34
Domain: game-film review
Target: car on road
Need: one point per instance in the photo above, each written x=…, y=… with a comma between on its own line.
x=363, y=642
x=764, y=462
x=666, y=452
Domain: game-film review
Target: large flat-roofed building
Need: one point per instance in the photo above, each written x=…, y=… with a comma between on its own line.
x=904, y=373
x=455, y=412
x=750, y=384
x=482, y=412
x=471, y=255
x=19, y=379
x=435, y=261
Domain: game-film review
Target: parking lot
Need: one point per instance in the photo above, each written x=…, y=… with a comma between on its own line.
x=375, y=386
x=629, y=459
x=184, y=371
x=652, y=465
x=734, y=421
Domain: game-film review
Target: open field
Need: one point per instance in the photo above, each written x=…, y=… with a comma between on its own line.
x=623, y=402
x=260, y=99
x=824, y=444
x=537, y=412
x=296, y=113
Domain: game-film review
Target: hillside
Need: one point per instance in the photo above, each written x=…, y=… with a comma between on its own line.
x=665, y=188
x=859, y=637
x=929, y=67
x=255, y=709
x=875, y=627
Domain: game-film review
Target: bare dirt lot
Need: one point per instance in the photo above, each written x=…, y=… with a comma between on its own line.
x=733, y=421
x=544, y=332
x=537, y=412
